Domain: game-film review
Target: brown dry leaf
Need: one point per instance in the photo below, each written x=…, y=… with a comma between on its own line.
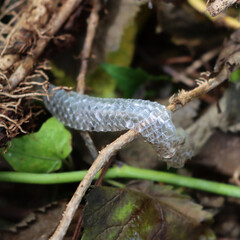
x=185, y=117
x=221, y=152
x=140, y=154
x=41, y=227
x=227, y=120
x=229, y=56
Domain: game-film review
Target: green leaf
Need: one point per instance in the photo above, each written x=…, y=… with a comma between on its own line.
x=129, y=79
x=119, y=214
x=235, y=76
x=40, y=152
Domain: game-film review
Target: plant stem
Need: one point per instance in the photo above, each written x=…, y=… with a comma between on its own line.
x=124, y=172
x=175, y=179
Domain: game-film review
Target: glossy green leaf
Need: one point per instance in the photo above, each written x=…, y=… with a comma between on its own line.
x=42, y=151
x=129, y=79
x=119, y=214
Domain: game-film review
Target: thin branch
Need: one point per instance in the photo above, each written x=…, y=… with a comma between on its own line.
x=200, y=6
x=89, y=144
x=98, y=182
x=202, y=61
x=91, y=30
x=180, y=77
x=104, y=171
x=86, y=53
x=103, y=158
x=217, y=6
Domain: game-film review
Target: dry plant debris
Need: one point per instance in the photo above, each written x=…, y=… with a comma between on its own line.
x=27, y=27
x=217, y=6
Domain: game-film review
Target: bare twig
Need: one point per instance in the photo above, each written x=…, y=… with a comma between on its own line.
x=217, y=6
x=5, y=11
x=181, y=77
x=89, y=144
x=104, y=171
x=205, y=58
x=103, y=157
x=97, y=183
x=91, y=30
x=78, y=228
x=112, y=148
x=200, y=6
x=236, y=176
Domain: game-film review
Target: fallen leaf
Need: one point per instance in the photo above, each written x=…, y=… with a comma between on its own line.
x=221, y=152
x=227, y=120
x=42, y=227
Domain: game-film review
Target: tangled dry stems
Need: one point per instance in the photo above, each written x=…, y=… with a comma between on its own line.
x=25, y=29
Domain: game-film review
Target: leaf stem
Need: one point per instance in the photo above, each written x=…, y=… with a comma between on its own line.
x=124, y=172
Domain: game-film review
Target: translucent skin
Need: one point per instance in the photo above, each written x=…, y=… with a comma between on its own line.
x=150, y=119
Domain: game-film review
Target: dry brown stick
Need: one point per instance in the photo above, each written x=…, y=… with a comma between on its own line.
x=103, y=157
x=181, y=77
x=205, y=58
x=91, y=30
x=86, y=52
x=112, y=148
x=104, y=171
x=89, y=144
x=185, y=97
x=53, y=26
x=217, y=6
x=97, y=183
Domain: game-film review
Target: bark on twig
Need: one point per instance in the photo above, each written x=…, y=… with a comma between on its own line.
x=89, y=144
x=86, y=53
x=200, y=6
x=217, y=6
x=85, y=56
